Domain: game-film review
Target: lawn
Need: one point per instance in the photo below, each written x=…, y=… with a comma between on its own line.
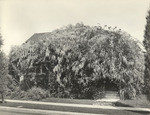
x=74, y=109
x=72, y=101
x=140, y=101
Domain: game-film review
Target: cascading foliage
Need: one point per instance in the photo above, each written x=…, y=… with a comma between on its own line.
x=71, y=61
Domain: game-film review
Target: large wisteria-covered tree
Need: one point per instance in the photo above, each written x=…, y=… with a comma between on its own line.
x=72, y=61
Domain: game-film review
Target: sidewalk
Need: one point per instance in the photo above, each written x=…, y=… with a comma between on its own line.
x=80, y=105
x=40, y=112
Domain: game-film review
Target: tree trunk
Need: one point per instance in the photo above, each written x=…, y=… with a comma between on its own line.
x=2, y=96
x=59, y=81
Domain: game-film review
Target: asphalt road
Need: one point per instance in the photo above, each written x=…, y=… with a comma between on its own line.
x=13, y=113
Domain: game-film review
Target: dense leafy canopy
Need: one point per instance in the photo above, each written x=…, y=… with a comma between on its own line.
x=3, y=71
x=72, y=61
x=147, y=56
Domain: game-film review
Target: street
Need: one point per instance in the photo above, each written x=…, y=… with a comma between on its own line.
x=12, y=113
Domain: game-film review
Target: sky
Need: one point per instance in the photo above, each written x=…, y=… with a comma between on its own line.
x=20, y=19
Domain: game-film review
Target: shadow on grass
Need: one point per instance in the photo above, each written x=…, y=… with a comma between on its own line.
x=141, y=112
x=119, y=104
x=2, y=102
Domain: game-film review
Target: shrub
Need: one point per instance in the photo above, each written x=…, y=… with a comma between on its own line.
x=15, y=93
x=99, y=93
x=12, y=85
x=36, y=93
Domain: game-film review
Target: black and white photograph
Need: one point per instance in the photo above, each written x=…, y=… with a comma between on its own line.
x=74, y=57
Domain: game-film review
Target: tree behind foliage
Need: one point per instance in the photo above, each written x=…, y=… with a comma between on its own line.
x=72, y=61
x=146, y=43
x=3, y=72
